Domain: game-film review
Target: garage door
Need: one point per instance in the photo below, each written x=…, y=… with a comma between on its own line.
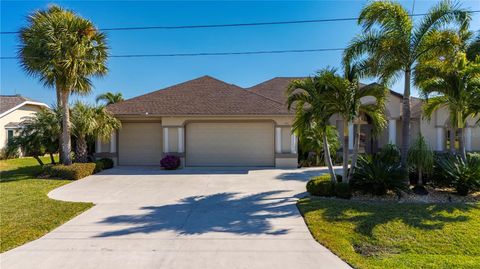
x=140, y=143
x=230, y=144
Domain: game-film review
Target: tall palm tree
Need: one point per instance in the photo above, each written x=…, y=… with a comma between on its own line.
x=455, y=87
x=89, y=121
x=391, y=44
x=64, y=51
x=305, y=96
x=344, y=96
x=110, y=98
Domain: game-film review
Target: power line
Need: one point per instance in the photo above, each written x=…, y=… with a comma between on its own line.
x=208, y=53
x=249, y=24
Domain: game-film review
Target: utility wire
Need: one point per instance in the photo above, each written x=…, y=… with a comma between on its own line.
x=208, y=53
x=173, y=27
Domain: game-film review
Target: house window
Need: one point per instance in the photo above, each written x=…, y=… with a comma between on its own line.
x=9, y=135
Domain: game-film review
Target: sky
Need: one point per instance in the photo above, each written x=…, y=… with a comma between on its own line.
x=136, y=76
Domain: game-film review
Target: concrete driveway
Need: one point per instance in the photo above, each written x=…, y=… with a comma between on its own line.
x=190, y=218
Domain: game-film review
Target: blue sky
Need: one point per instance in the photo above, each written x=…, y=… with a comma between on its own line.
x=135, y=76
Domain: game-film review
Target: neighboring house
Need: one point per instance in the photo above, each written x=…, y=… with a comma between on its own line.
x=13, y=109
x=207, y=122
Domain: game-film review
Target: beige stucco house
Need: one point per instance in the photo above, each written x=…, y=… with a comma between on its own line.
x=13, y=109
x=208, y=122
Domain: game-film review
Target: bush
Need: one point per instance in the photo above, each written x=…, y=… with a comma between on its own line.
x=390, y=154
x=321, y=186
x=377, y=175
x=170, y=162
x=72, y=172
x=99, y=166
x=107, y=163
x=343, y=190
x=464, y=176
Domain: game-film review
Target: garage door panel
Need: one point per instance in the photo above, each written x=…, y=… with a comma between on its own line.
x=140, y=144
x=230, y=144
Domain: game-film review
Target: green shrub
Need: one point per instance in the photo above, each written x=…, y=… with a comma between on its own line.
x=343, y=190
x=377, y=175
x=390, y=154
x=464, y=176
x=321, y=186
x=99, y=166
x=72, y=172
x=107, y=163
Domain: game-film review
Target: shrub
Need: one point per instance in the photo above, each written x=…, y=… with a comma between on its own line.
x=343, y=190
x=390, y=154
x=170, y=162
x=377, y=175
x=464, y=176
x=72, y=172
x=107, y=163
x=99, y=166
x=321, y=186
x=420, y=158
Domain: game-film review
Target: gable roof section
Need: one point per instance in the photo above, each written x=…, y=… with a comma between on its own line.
x=201, y=96
x=9, y=103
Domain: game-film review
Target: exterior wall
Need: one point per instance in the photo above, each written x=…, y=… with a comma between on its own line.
x=15, y=116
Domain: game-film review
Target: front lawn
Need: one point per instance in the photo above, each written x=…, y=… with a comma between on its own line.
x=26, y=212
x=392, y=235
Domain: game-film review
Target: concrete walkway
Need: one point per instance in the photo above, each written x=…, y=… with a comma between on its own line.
x=190, y=218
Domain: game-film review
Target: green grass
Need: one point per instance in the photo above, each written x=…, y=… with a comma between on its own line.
x=391, y=235
x=26, y=212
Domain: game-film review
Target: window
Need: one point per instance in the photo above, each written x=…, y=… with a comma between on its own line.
x=9, y=135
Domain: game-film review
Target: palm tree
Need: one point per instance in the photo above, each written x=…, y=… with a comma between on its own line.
x=343, y=96
x=420, y=157
x=391, y=44
x=39, y=134
x=305, y=96
x=88, y=121
x=110, y=98
x=454, y=86
x=64, y=51
x=310, y=138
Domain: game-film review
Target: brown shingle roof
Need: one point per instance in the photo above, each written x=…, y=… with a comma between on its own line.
x=201, y=96
x=10, y=101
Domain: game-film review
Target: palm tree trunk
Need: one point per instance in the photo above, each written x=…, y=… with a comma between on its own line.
x=420, y=177
x=65, y=146
x=58, y=90
x=406, y=118
x=52, y=159
x=81, y=150
x=328, y=158
x=38, y=160
x=453, y=133
x=461, y=140
x=356, y=147
x=345, y=151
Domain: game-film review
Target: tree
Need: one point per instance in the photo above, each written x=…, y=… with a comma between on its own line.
x=310, y=139
x=39, y=134
x=110, y=98
x=306, y=97
x=420, y=157
x=64, y=51
x=89, y=121
x=343, y=96
x=391, y=44
x=455, y=86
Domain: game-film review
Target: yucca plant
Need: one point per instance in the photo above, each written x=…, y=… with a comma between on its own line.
x=464, y=174
x=374, y=175
x=420, y=158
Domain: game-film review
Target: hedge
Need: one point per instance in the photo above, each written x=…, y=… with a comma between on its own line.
x=72, y=172
x=321, y=186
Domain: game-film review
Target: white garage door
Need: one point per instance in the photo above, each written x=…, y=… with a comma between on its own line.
x=140, y=143
x=230, y=144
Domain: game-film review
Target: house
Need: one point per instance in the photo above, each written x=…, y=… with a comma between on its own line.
x=208, y=122
x=13, y=109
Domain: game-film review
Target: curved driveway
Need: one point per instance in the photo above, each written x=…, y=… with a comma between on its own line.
x=190, y=218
